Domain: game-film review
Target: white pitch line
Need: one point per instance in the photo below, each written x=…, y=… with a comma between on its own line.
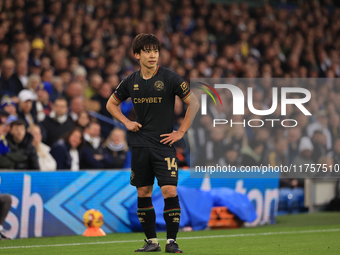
x=181, y=238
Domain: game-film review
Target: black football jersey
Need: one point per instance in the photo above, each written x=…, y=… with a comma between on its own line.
x=154, y=101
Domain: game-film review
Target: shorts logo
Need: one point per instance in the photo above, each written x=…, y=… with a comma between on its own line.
x=158, y=86
x=132, y=175
x=135, y=87
x=173, y=173
x=176, y=220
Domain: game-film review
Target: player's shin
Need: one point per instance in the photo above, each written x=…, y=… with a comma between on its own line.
x=147, y=217
x=172, y=215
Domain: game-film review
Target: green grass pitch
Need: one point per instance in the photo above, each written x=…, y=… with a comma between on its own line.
x=317, y=234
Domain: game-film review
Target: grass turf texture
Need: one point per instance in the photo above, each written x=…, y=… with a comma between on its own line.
x=317, y=233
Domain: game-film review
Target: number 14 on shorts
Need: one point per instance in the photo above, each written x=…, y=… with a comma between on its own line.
x=171, y=163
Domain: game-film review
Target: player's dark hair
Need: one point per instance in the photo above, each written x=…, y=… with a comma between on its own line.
x=145, y=42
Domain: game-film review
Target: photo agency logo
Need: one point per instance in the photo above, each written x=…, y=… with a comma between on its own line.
x=238, y=106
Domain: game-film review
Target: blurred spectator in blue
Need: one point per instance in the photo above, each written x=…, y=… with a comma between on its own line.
x=117, y=146
x=58, y=122
x=4, y=148
x=7, y=71
x=67, y=150
x=27, y=108
x=44, y=92
x=104, y=92
x=94, y=156
x=8, y=105
x=46, y=161
x=23, y=154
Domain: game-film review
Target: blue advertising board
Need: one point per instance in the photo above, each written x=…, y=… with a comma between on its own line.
x=53, y=203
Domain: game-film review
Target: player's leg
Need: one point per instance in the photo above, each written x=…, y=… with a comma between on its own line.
x=165, y=167
x=143, y=177
x=147, y=218
x=5, y=206
x=172, y=215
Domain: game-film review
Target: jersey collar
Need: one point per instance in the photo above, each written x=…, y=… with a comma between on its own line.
x=156, y=71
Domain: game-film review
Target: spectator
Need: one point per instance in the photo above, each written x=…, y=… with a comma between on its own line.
x=80, y=75
x=94, y=156
x=46, y=161
x=278, y=157
x=293, y=137
x=8, y=105
x=319, y=145
x=19, y=79
x=58, y=122
x=67, y=150
x=22, y=155
x=336, y=152
x=231, y=157
x=251, y=154
x=321, y=124
x=76, y=107
x=334, y=126
x=83, y=120
x=95, y=82
x=4, y=148
x=32, y=84
x=117, y=146
x=44, y=92
x=304, y=157
x=27, y=108
x=104, y=92
x=5, y=207
x=7, y=71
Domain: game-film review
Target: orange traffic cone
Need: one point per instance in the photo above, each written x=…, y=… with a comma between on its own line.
x=94, y=232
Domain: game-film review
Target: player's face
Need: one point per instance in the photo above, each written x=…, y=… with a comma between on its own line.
x=148, y=57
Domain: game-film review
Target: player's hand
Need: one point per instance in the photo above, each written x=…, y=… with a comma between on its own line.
x=171, y=138
x=133, y=126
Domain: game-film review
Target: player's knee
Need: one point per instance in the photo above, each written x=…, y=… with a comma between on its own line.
x=169, y=192
x=144, y=191
x=6, y=199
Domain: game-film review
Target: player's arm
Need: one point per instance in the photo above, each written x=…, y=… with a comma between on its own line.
x=112, y=106
x=193, y=106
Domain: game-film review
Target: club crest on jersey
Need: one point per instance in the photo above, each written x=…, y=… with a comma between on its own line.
x=158, y=86
x=184, y=87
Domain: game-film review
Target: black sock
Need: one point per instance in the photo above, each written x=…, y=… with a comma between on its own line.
x=172, y=215
x=147, y=217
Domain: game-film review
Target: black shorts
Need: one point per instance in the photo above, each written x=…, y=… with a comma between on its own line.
x=148, y=163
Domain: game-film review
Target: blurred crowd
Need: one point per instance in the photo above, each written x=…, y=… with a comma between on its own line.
x=61, y=61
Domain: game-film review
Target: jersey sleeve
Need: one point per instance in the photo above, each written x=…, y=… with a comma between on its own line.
x=181, y=88
x=122, y=91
